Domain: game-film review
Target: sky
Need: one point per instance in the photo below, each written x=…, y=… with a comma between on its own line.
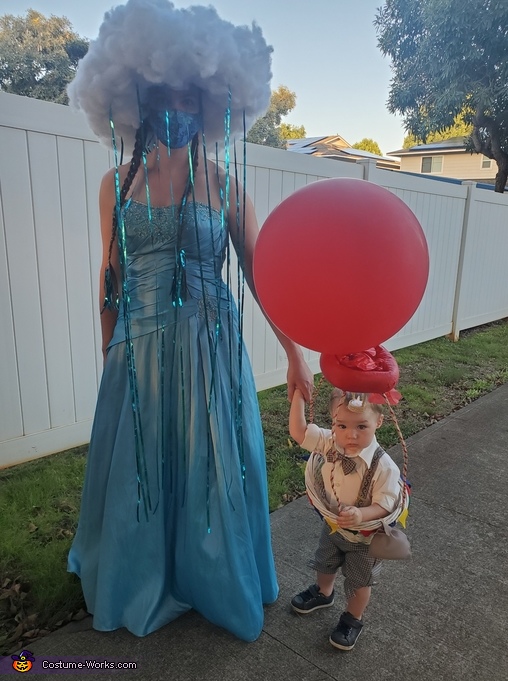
x=324, y=50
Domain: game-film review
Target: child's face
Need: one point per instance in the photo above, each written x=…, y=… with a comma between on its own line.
x=354, y=431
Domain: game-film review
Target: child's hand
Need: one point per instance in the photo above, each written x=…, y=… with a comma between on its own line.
x=349, y=516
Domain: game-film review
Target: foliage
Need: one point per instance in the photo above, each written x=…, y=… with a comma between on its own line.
x=459, y=129
x=268, y=129
x=38, y=55
x=450, y=58
x=292, y=132
x=368, y=144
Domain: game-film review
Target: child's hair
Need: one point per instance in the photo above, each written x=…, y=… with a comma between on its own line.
x=338, y=397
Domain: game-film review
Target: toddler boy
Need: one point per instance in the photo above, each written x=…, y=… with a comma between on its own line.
x=354, y=481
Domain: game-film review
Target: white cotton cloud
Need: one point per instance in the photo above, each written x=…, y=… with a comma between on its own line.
x=147, y=42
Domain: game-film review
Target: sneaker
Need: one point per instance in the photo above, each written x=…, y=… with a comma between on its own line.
x=346, y=632
x=311, y=599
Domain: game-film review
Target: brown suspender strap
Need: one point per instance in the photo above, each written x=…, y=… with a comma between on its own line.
x=364, y=496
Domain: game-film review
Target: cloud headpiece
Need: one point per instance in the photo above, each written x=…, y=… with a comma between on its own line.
x=149, y=42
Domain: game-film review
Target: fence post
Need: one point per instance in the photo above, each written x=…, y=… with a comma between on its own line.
x=456, y=314
x=369, y=167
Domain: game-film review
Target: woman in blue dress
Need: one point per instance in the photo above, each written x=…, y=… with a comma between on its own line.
x=174, y=510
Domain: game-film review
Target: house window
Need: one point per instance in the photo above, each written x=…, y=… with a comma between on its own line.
x=432, y=164
x=486, y=162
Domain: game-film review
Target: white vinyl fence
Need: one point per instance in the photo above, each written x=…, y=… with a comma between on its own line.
x=50, y=361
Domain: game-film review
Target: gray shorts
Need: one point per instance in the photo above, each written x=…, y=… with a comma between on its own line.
x=335, y=552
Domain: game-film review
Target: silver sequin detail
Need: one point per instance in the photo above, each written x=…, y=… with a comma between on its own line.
x=164, y=223
x=162, y=227
x=211, y=308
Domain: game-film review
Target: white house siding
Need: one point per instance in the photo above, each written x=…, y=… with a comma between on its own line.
x=50, y=171
x=461, y=166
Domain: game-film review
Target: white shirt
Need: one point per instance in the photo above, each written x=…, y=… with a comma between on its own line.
x=385, y=485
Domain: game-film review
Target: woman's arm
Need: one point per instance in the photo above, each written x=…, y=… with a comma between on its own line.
x=299, y=375
x=107, y=199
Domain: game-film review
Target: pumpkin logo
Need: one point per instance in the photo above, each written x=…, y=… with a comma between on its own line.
x=23, y=662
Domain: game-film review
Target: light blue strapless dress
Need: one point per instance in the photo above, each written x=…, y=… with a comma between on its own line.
x=174, y=510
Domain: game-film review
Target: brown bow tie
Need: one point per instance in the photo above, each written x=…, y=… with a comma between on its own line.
x=348, y=464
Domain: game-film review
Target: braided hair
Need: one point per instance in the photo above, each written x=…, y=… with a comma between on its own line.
x=137, y=155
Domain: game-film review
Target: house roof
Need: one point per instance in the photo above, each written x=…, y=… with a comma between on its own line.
x=366, y=154
x=308, y=145
x=304, y=145
x=453, y=144
x=333, y=146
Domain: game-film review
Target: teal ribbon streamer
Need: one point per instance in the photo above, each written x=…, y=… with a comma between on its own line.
x=144, y=499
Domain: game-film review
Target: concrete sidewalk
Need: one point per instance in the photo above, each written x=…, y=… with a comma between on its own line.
x=441, y=616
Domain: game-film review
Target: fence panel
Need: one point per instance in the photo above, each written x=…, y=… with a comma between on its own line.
x=439, y=208
x=11, y=418
x=484, y=284
x=23, y=268
x=47, y=211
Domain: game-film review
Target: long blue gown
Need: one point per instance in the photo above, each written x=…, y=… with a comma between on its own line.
x=174, y=510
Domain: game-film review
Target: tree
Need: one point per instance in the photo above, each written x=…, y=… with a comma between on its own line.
x=459, y=129
x=292, y=132
x=38, y=56
x=368, y=144
x=269, y=129
x=450, y=58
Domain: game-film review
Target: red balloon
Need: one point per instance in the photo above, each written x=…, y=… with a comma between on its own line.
x=373, y=371
x=341, y=265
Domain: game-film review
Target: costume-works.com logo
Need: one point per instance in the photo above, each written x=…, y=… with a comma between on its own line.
x=23, y=662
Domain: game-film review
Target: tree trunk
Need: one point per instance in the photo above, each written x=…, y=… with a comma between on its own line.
x=490, y=146
x=502, y=174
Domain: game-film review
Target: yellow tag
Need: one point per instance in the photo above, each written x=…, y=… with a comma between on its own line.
x=403, y=518
x=333, y=526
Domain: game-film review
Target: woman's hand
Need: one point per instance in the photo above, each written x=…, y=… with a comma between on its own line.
x=300, y=376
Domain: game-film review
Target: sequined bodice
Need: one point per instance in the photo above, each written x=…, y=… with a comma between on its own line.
x=154, y=243
x=151, y=231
